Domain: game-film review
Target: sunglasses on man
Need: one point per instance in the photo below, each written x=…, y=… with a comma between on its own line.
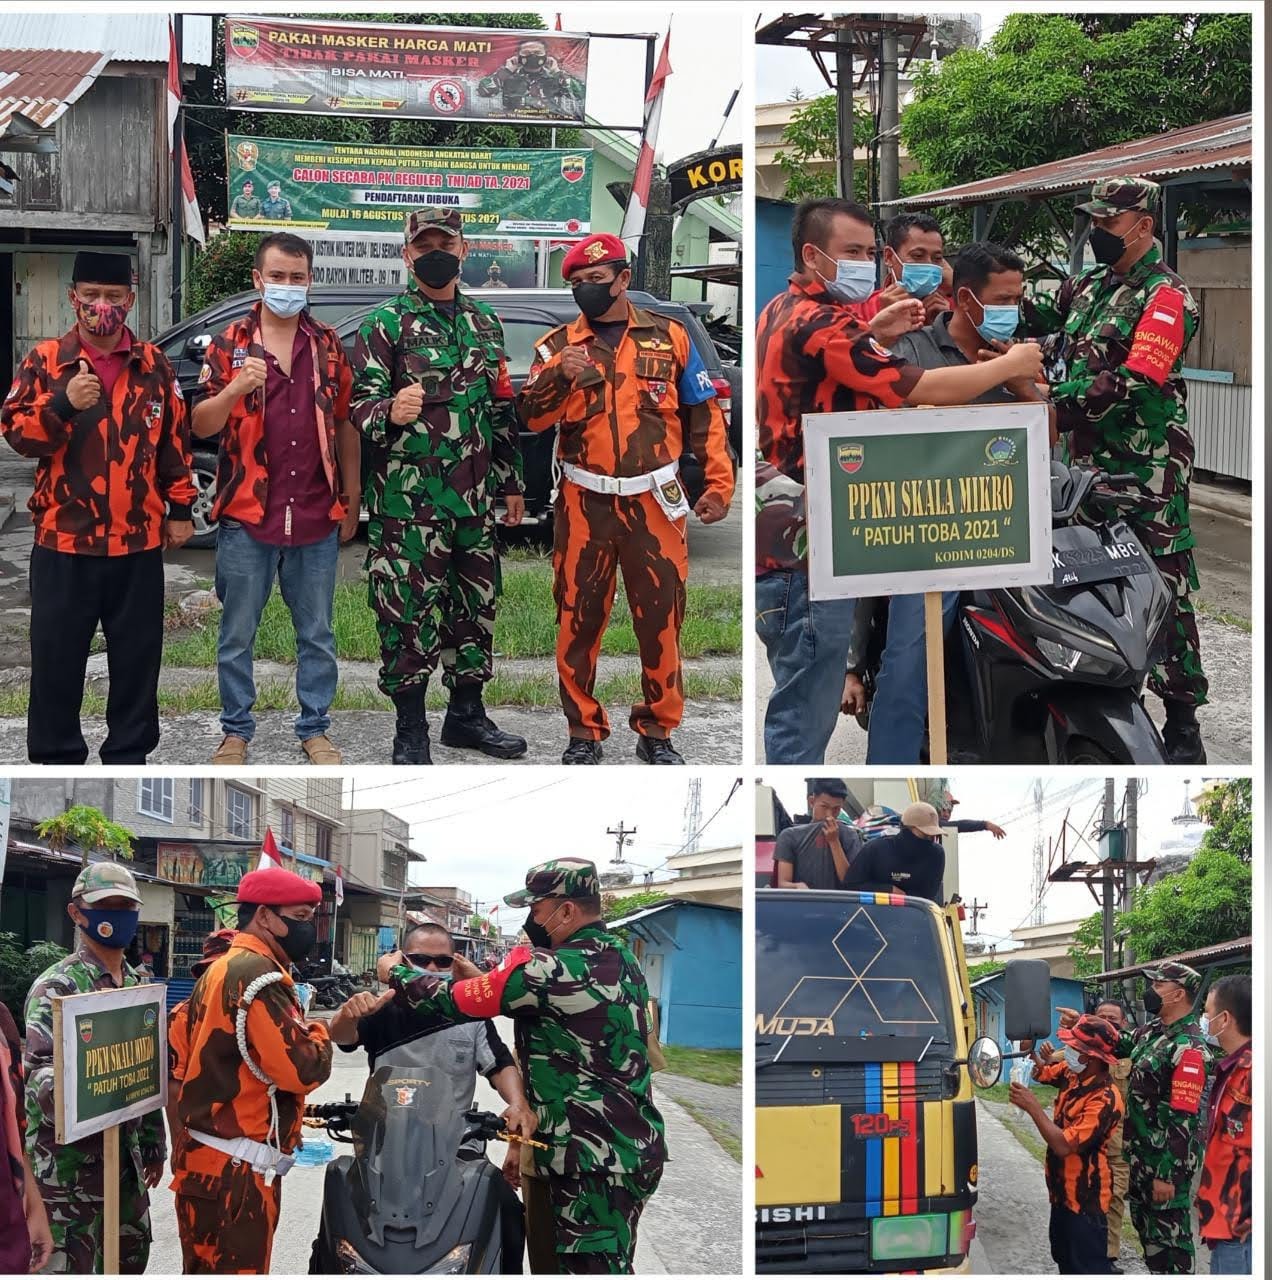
x=419, y=959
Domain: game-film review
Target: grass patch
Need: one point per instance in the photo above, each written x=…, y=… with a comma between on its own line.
x=999, y=1093
x=711, y=1066
x=1222, y=615
x=721, y=1133
x=525, y=623
x=502, y=691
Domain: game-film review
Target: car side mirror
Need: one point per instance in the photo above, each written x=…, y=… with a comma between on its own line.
x=197, y=347
x=985, y=1062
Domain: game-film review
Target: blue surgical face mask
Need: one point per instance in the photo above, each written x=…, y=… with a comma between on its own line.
x=114, y=929
x=286, y=300
x=854, y=281
x=1074, y=1061
x=998, y=323
x=1205, y=1030
x=919, y=279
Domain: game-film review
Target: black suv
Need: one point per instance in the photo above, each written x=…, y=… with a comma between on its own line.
x=526, y=314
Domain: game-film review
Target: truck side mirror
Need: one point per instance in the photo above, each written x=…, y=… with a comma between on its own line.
x=985, y=1062
x=1027, y=996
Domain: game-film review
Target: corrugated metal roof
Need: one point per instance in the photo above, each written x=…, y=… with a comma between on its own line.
x=1217, y=144
x=38, y=86
x=131, y=37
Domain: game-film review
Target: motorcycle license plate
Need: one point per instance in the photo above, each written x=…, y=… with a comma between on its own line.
x=1102, y=563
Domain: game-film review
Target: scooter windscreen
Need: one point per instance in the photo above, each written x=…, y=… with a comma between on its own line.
x=406, y=1134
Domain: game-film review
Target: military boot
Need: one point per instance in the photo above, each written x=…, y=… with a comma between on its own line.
x=1183, y=734
x=410, y=742
x=468, y=725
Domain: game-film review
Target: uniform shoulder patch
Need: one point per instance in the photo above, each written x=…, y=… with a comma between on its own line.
x=1159, y=335
x=481, y=997
x=1188, y=1080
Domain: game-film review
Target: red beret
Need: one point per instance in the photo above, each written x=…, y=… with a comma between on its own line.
x=275, y=887
x=595, y=251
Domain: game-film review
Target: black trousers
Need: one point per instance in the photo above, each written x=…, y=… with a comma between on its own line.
x=70, y=596
x=1079, y=1242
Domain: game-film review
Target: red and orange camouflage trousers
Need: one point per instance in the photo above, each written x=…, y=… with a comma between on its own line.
x=227, y=1221
x=597, y=535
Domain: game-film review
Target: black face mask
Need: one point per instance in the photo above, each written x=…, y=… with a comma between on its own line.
x=594, y=300
x=1107, y=247
x=436, y=269
x=299, y=939
x=538, y=933
x=1152, y=1003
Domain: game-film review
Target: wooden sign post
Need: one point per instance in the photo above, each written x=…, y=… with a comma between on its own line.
x=924, y=502
x=110, y=1065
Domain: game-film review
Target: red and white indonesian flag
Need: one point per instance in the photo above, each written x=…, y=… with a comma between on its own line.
x=638, y=201
x=270, y=857
x=339, y=887
x=189, y=203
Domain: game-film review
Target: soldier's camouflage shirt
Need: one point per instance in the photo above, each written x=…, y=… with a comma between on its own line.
x=582, y=1031
x=1169, y=1066
x=104, y=473
x=462, y=451
x=1121, y=388
x=60, y=1165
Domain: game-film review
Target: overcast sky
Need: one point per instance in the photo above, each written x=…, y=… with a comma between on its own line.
x=483, y=833
x=779, y=70
x=706, y=67
x=1000, y=872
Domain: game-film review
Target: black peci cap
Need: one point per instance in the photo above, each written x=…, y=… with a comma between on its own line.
x=102, y=268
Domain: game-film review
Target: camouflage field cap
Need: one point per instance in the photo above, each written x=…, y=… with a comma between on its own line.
x=1091, y=1036
x=1173, y=971
x=560, y=878
x=1110, y=196
x=104, y=880
x=419, y=221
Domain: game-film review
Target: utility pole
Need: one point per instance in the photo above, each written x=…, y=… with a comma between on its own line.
x=844, y=116
x=889, y=122
x=1132, y=856
x=623, y=836
x=1110, y=819
x=1039, y=857
x=175, y=242
x=978, y=909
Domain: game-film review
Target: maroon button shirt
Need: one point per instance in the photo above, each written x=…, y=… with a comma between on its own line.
x=108, y=365
x=293, y=459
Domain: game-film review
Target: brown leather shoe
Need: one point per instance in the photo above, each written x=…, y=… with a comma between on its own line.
x=321, y=750
x=231, y=751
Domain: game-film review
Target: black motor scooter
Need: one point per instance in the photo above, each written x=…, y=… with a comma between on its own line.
x=1055, y=673
x=405, y=1203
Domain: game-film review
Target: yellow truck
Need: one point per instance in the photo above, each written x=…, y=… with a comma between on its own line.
x=866, y=1062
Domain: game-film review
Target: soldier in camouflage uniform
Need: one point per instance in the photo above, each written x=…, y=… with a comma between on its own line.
x=431, y=392
x=1123, y=327
x=1170, y=1062
x=581, y=1010
x=105, y=905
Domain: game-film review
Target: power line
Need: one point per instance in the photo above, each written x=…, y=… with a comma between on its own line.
x=737, y=782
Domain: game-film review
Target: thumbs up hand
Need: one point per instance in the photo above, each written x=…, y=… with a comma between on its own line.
x=84, y=389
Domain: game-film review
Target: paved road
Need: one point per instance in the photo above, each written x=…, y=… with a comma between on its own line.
x=692, y=1225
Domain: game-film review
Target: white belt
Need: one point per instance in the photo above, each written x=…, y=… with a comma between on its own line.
x=262, y=1158
x=621, y=486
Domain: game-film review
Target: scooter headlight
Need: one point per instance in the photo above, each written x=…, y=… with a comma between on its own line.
x=454, y=1263
x=350, y=1260
x=1074, y=661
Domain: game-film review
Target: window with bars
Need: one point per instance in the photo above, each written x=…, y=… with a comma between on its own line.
x=322, y=842
x=287, y=826
x=195, y=812
x=154, y=798
x=239, y=815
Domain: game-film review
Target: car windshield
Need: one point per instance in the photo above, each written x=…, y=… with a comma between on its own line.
x=843, y=968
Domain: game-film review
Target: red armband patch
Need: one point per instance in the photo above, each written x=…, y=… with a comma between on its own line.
x=1188, y=1081
x=1159, y=336
x=481, y=997
x=503, y=383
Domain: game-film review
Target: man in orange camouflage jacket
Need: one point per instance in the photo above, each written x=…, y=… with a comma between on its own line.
x=626, y=388
x=234, y=1145
x=102, y=412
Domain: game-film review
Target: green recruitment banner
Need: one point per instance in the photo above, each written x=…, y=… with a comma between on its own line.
x=914, y=500
x=280, y=184
x=110, y=1058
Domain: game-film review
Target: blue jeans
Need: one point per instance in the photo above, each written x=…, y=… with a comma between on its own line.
x=245, y=573
x=807, y=646
x=1232, y=1257
x=898, y=714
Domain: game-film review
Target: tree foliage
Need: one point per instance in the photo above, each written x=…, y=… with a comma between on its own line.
x=812, y=135
x=89, y=830
x=1228, y=809
x=1208, y=902
x=208, y=119
x=984, y=969
x=1048, y=86
x=19, y=970
x=222, y=269
x=613, y=906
